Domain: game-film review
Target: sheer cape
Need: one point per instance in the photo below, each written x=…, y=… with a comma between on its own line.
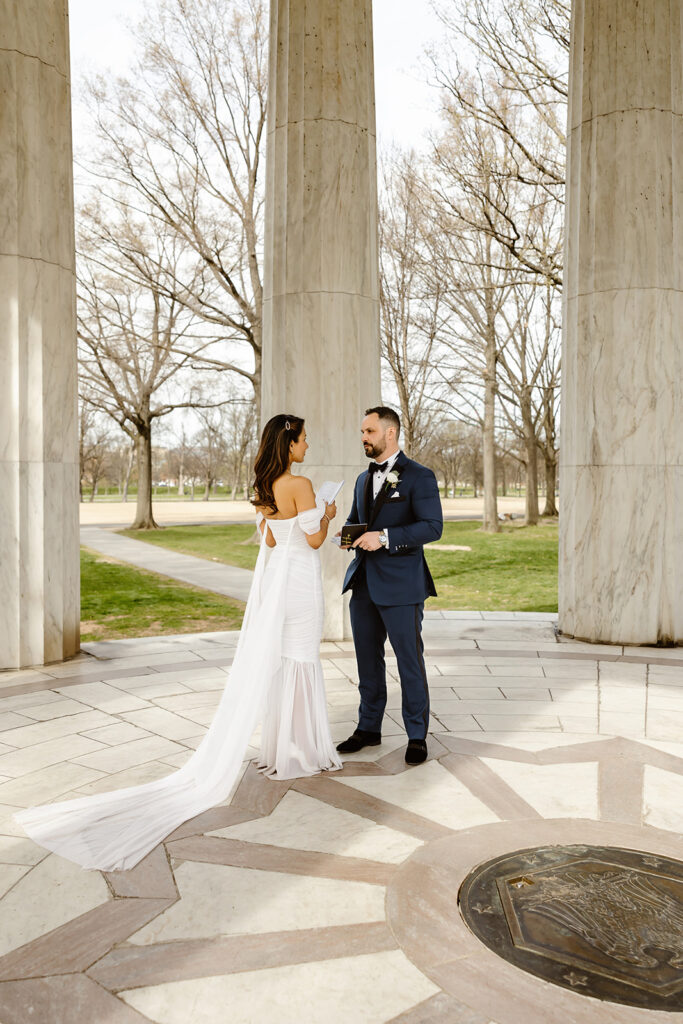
x=113, y=831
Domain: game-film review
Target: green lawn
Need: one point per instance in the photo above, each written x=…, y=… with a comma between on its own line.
x=515, y=570
x=118, y=600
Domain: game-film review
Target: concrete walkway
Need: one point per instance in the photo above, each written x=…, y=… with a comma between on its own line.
x=119, y=515
x=222, y=579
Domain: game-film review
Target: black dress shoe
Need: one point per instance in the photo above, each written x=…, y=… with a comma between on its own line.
x=358, y=740
x=416, y=752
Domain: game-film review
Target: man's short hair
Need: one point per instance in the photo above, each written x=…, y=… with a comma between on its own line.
x=387, y=415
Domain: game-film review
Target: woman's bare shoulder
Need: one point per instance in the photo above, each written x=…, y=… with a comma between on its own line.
x=294, y=484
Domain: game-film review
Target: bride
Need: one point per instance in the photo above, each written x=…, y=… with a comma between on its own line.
x=276, y=676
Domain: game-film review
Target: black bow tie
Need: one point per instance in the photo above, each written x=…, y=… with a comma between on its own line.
x=377, y=467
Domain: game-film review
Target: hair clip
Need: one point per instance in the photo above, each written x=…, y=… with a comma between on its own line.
x=288, y=425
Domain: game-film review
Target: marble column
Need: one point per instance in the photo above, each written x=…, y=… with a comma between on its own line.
x=321, y=305
x=621, y=483
x=39, y=572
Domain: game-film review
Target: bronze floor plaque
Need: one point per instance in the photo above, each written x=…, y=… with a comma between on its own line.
x=599, y=920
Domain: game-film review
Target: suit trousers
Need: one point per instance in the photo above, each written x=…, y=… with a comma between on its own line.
x=371, y=624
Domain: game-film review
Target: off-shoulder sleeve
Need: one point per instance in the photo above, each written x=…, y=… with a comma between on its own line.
x=259, y=520
x=309, y=521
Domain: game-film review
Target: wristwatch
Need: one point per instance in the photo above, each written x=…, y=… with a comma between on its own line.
x=383, y=539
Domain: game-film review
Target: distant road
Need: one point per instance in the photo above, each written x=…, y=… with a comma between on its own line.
x=118, y=515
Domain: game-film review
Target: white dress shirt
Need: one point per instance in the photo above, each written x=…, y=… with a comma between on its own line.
x=378, y=479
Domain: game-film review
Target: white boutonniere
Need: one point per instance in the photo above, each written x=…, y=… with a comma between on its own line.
x=392, y=480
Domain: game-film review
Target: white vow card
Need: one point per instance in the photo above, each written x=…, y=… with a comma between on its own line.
x=329, y=491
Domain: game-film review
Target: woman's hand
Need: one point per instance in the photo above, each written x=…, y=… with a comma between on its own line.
x=330, y=511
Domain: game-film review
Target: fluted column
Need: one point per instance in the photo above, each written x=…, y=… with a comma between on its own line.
x=321, y=305
x=39, y=575
x=621, y=484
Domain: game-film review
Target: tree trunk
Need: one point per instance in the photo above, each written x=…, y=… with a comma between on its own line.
x=531, y=449
x=144, y=516
x=207, y=488
x=491, y=524
x=181, y=478
x=129, y=470
x=550, y=484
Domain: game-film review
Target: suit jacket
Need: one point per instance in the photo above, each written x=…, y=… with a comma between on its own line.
x=411, y=512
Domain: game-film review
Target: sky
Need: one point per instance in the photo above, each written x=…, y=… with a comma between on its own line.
x=403, y=28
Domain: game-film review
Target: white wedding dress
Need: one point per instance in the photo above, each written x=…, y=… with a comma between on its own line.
x=276, y=677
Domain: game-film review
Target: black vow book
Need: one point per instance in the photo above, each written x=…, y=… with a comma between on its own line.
x=351, y=532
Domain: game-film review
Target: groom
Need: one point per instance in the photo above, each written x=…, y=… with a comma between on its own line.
x=389, y=580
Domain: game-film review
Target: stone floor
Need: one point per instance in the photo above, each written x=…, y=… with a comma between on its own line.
x=331, y=899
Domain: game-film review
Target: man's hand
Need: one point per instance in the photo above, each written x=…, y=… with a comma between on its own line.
x=368, y=541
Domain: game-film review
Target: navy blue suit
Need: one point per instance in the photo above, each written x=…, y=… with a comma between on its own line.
x=389, y=588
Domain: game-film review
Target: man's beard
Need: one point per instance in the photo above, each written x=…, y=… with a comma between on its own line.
x=373, y=451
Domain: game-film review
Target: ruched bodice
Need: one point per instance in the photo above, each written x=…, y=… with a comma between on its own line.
x=292, y=532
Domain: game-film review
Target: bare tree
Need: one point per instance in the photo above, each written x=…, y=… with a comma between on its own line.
x=529, y=364
x=522, y=46
x=410, y=297
x=135, y=337
x=476, y=272
x=121, y=459
x=93, y=447
x=241, y=438
x=182, y=141
x=450, y=450
x=209, y=448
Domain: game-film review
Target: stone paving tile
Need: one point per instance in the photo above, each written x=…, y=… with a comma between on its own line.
x=133, y=967
x=430, y=791
x=9, y=827
x=665, y=725
x=10, y=720
x=459, y=723
x=128, y=755
x=151, y=878
x=104, y=697
x=75, y=945
x=22, y=675
x=41, y=755
x=151, y=691
x=120, y=732
x=665, y=698
x=47, y=784
x=518, y=723
x=137, y=776
x=622, y=723
x=17, y=850
x=73, y=999
x=301, y=823
x=367, y=988
x=554, y=791
x=27, y=914
x=441, y=1009
x=21, y=701
x=10, y=875
x=40, y=732
x=161, y=722
x=219, y=899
